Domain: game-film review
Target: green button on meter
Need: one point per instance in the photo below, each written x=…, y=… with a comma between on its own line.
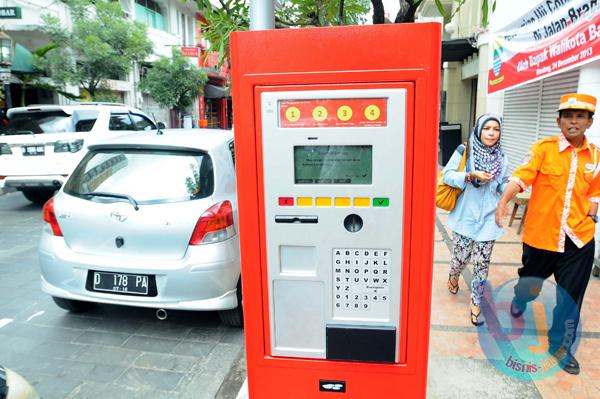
x=381, y=202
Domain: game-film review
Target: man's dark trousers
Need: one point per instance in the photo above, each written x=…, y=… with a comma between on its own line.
x=571, y=270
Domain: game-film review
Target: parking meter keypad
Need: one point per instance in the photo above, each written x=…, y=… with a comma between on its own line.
x=361, y=278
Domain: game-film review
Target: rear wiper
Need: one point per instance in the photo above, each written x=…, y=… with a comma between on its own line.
x=113, y=195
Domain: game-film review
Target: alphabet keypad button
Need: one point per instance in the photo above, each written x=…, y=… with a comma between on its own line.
x=361, y=282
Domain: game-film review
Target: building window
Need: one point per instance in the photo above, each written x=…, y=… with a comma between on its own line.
x=149, y=13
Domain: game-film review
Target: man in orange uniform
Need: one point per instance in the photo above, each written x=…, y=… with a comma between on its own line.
x=560, y=221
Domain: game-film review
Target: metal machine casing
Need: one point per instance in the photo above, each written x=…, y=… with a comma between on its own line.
x=320, y=65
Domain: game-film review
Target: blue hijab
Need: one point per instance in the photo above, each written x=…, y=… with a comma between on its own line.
x=482, y=157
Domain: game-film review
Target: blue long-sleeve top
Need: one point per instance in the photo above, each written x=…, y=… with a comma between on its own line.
x=475, y=213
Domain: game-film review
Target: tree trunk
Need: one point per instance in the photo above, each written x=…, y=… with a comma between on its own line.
x=378, y=12
x=407, y=11
x=341, y=13
x=23, y=92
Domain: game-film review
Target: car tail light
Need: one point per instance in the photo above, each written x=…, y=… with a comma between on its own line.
x=215, y=225
x=50, y=217
x=68, y=146
x=5, y=149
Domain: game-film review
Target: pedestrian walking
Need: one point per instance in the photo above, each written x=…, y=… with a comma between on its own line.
x=473, y=219
x=560, y=223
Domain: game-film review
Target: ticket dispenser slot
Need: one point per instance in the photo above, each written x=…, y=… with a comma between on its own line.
x=333, y=201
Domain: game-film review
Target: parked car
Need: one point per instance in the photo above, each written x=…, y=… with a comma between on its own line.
x=147, y=221
x=41, y=144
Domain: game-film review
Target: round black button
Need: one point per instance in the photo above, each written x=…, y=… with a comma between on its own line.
x=353, y=223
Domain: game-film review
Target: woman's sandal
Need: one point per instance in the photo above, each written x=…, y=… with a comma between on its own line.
x=452, y=284
x=475, y=316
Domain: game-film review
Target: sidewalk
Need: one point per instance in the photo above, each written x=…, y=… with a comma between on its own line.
x=457, y=365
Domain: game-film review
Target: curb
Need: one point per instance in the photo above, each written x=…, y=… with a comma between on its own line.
x=243, y=393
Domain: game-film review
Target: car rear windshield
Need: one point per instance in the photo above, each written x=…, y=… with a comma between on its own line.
x=147, y=176
x=37, y=122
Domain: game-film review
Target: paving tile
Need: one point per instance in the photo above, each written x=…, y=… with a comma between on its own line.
x=166, y=362
x=206, y=334
x=462, y=378
x=94, y=390
x=441, y=253
x=163, y=330
x=107, y=355
x=150, y=344
x=455, y=344
x=64, y=320
x=233, y=336
x=55, y=388
x=150, y=379
x=42, y=333
x=198, y=349
x=507, y=253
x=205, y=382
x=102, y=338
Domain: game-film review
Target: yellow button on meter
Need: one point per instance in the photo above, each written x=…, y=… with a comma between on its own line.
x=362, y=202
x=304, y=201
x=323, y=201
x=342, y=202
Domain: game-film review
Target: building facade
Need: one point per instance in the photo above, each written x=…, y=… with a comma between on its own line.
x=170, y=23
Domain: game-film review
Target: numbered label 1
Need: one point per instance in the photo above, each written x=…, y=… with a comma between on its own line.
x=344, y=113
x=319, y=113
x=372, y=112
x=292, y=114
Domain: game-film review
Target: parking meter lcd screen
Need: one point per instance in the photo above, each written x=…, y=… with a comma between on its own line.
x=333, y=164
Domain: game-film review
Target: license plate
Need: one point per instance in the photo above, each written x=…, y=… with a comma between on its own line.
x=136, y=284
x=31, y=150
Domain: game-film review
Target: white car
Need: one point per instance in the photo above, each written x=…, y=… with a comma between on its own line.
x=40, y=145
x=147, y=220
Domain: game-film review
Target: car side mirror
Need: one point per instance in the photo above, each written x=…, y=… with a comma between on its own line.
x=161, y=125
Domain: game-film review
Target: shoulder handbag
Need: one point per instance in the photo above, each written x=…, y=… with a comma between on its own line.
x=446, y=196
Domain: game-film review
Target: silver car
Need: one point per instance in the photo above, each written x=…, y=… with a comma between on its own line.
x=147, y=220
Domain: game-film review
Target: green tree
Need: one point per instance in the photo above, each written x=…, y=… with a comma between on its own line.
x=174, y=82
x=102, y=44
x=408, y=9
x=37, y=79
x=232, y=15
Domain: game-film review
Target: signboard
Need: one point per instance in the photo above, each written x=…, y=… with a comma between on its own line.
x=190, y=52
x=553, y=37
x=10, y=12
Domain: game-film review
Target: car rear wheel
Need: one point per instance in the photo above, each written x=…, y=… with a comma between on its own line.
x=234, y=317
x=38, y=196
x=71, y=305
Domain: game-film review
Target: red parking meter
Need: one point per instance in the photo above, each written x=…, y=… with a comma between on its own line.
x=336, y=148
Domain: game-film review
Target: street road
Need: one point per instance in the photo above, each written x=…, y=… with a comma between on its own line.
x=109, y=352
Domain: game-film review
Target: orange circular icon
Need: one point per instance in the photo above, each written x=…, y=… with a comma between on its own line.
x=292, y=114
x=344, y=113
x=319, y=113
x=372, y=112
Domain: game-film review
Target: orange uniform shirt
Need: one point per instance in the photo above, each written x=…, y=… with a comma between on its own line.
x=566, y=180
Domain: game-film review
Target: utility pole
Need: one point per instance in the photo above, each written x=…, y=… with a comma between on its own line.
x=262, y=15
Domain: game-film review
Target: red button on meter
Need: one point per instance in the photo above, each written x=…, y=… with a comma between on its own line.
x=286, y=201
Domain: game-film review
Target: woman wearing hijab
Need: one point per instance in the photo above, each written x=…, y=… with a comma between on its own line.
x=473, y=219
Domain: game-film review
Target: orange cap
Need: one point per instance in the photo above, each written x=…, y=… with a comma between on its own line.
x=577, y=101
